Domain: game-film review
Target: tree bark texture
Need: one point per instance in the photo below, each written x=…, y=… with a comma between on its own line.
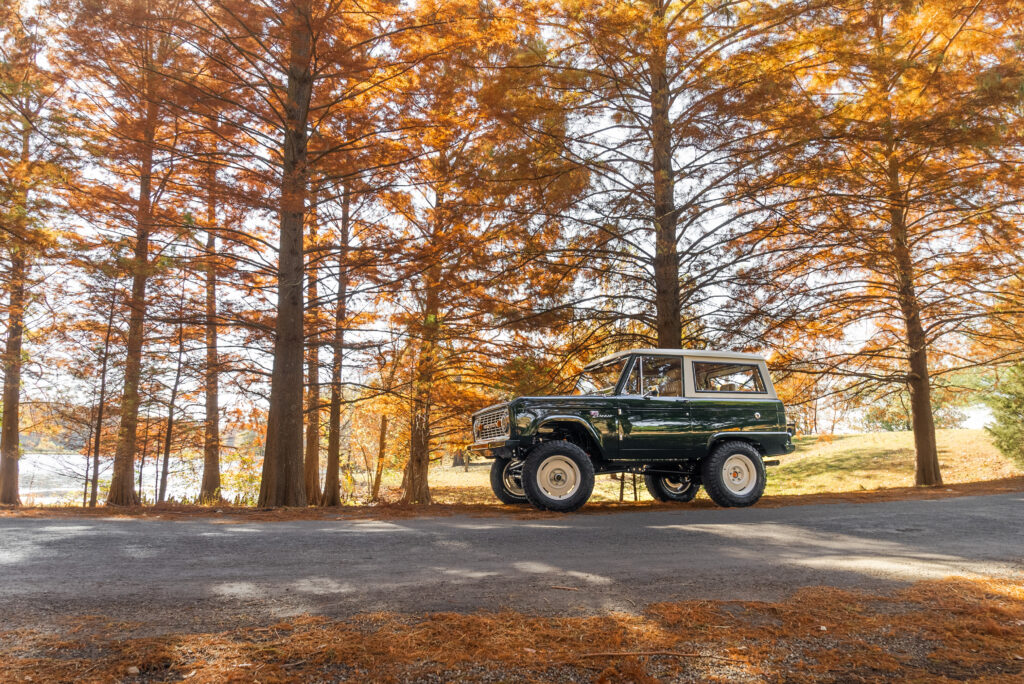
x=666, y=255
x=417, y=488
x=332, y=481
x=311, y=467
x=282, y=481
x=10, y=436
x=209, y=490
x=122, y=491
x=10, y=428
x=918, y=378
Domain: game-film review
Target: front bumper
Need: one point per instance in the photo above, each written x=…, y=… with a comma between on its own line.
x=494, y=445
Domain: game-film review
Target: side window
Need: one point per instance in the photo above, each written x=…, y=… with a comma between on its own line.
x=662, y=376
x=632, y=385
x=727, y=377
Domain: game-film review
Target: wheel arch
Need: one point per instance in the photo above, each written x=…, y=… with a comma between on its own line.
x=720, y=437
x=578, y=431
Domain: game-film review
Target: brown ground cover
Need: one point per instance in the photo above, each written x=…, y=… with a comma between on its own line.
x=397, y=511
x=949, y=630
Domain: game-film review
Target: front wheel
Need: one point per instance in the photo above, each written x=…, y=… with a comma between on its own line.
x=733, y=474
x=507, y=481
x=558, y=476
x=679, y=488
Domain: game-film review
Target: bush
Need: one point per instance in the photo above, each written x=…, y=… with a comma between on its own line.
x=1007, y=403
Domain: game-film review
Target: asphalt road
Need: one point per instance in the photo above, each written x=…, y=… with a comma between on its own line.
x=203, y=574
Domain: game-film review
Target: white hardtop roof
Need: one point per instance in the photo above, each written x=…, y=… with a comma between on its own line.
x=706, y=353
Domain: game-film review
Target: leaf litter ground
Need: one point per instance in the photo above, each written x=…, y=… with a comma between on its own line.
x=945, y=630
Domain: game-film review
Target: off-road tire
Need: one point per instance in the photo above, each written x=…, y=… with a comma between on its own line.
x=501, y=488
x=554, y=466
x=664, y=488
x=733, y=474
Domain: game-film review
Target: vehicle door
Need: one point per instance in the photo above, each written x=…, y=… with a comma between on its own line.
x=653, y=414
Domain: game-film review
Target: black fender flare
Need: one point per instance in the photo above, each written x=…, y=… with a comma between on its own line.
x=588, y=428
x=742, y=436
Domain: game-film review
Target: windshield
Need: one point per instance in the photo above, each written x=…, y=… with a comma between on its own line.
x=600, y=379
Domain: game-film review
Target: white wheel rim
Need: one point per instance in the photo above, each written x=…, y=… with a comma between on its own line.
x=559, y=477
x=512, y=477
x=739, y=474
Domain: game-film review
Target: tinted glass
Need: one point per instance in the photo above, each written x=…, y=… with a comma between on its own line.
x=726, y=377
x=600, y=379
x=662, y=376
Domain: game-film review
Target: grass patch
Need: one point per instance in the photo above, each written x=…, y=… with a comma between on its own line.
x=878, y=460
x=945, y=630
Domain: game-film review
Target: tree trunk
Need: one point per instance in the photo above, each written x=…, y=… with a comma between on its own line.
x=282, y=481
x=171, y=406
x=332, y=483
x=209, y=490
x=382, y=440
x=417, y=489
x=88, y=464
x=142, y=458
x=918, y=378
x=10, y=436
x=142, y=461
x=312, y=455
x=122, y=492
x=666, y=256
x=98, y=430
x=919, y=381
x=156, y=466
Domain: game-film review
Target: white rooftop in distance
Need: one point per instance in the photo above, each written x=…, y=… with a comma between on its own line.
x=706, y=353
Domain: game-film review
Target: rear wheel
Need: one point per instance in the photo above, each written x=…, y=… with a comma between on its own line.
x=507, y=481
x=558, y=476
x=679, y=488
x=733, y=474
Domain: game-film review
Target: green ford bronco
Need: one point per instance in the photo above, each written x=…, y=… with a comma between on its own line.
x=680, y=418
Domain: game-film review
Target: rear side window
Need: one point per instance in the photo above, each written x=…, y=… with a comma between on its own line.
x=727, y=377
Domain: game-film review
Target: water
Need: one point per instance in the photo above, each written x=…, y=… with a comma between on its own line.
x=52, y=478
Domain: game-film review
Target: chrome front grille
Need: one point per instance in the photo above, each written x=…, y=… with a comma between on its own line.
x=491, y=425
